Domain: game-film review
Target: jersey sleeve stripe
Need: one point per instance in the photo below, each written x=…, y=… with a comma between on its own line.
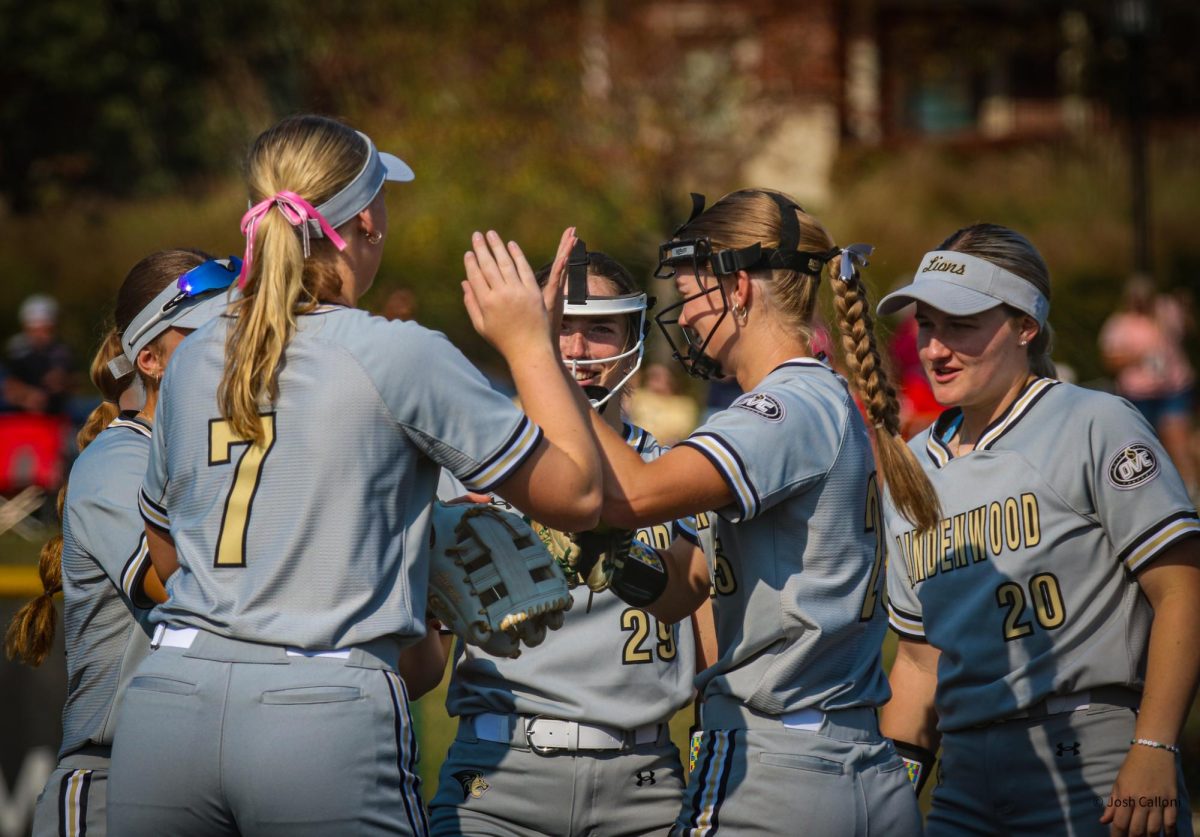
x=499, y=467
x=905, y=624
x=634, y=436
x=133, y=573
x=730, y=466
x=685, y=527
x=152, y=512
x=1150, y=544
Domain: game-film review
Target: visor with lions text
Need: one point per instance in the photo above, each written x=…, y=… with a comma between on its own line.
x=962, y=285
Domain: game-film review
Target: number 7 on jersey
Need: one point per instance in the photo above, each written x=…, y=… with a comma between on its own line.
x=235, y=519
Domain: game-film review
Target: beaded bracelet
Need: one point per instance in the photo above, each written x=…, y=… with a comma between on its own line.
x=1158, y=745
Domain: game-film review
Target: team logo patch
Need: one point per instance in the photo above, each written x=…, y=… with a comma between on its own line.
x=646, y=555
x=1135, y=465
x=762, y=405
x=472, y=783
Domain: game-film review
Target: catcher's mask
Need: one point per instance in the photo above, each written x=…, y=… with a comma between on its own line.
x=578, y=303
x=698, y=252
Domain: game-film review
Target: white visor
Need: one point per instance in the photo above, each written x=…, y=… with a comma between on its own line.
x=356, y=195
x=962, y=285
x=611, y=306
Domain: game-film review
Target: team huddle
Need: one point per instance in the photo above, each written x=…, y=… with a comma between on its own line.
x=245, y=557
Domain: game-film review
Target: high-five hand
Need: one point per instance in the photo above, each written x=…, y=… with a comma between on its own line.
x=502, y=296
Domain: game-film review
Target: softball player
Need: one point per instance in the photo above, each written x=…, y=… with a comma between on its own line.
x=789, y=733
x=297, y=447
x=591, y=744
x=100, y=562
x=1056, y=594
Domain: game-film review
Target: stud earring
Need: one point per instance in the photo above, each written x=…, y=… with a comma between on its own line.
x=374, y=237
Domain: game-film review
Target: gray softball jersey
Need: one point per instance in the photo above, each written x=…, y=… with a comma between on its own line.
x=615, y=665
x=319, y=538
x=1028, y=584
x=797, y=572
x=105, y=615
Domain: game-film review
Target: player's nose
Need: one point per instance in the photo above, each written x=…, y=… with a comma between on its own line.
x=931, y=346
x=573, y=345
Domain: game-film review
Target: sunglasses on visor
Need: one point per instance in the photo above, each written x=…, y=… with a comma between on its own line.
x=213, y=275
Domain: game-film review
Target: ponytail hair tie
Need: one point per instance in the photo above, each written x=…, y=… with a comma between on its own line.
x=297, y=212
x=853, y=257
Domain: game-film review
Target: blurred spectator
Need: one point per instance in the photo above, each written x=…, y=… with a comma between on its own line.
x=39, y=366
x=1142, y=345
x=918, y=407
x=659, y=406
x=401, y=304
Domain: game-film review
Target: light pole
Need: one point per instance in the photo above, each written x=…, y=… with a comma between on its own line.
x=1133, y=20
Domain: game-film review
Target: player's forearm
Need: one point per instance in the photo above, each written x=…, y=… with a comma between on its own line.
x=571, y=475
x=152, y=586
x=910, y=715
x=704, y=630
x=687, y=583
x=423, y=665
x=162, y=552
x=621, y=467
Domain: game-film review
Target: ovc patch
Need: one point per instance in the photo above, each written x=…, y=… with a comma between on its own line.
x=763, y=405
x=1133, y=466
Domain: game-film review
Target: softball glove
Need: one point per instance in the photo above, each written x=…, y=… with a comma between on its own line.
x=491, y=581
x=587, y=557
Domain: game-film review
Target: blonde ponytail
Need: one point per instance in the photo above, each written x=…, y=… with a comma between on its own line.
x=314, y=157
x=909, y=486
x=30, y=634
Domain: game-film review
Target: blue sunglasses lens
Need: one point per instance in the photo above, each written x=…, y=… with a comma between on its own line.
x=210, y=276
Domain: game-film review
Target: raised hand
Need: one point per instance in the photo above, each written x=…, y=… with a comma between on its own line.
x=552, y=293
x=502, y=296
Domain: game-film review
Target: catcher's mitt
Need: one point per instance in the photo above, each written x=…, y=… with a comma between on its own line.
x=587, y=557
x=491, y=582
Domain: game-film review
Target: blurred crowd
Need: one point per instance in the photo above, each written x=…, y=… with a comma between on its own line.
x=37, y=374
x=44, y=397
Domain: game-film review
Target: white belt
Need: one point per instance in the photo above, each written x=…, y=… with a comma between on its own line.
x=809, y=720
x=1057, y=704
x=168, y=637
x=546, y=734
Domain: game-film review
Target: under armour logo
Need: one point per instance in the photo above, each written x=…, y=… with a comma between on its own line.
x=1063, y=749
x=644, y=777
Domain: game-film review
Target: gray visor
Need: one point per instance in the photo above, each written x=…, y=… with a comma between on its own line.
x=359, y=192
x=160, y=315
x=962, y=285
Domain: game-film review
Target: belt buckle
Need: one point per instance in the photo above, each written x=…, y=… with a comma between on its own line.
x=529, y=722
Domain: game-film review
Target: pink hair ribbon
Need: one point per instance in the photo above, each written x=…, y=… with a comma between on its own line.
x=297, y=211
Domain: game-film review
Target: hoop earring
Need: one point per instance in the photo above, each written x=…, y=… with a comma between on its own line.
x=374, y=237
x=739, y=313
